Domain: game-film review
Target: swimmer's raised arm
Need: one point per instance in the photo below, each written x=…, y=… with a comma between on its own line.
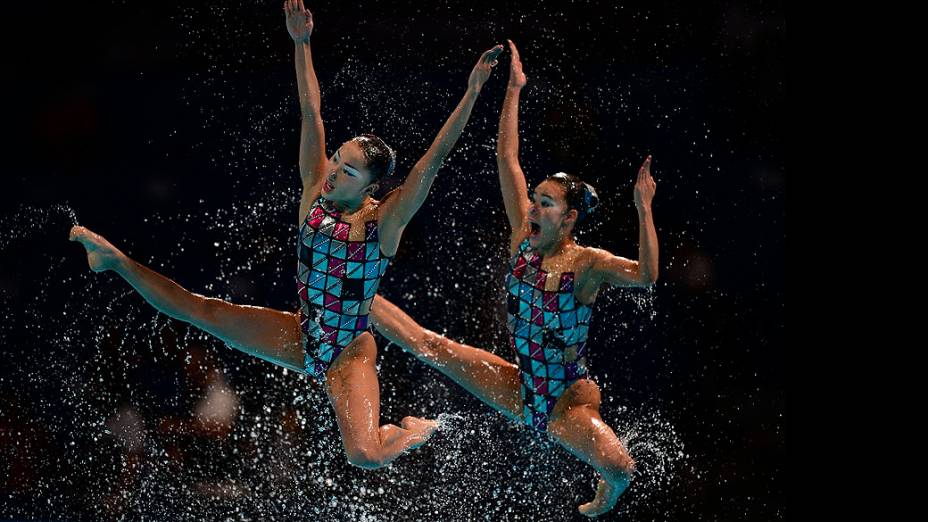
x=312, y=133
x=511, y=177
x=619, y=271
x=399, y=209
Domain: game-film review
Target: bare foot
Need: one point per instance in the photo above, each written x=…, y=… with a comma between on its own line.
x=423, y=428
x=607, y=495
x=101, y=255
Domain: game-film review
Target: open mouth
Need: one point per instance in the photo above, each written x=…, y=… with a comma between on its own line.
x=327, y=186
x=536, y=229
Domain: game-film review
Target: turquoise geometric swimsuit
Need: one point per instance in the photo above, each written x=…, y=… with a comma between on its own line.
x=336, y=281
x=548, y=331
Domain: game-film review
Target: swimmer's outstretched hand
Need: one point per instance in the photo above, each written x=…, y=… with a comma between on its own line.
x=517, y=78
x=484, y=67
x=645, y=186
x=299, y=20
x=101, y=255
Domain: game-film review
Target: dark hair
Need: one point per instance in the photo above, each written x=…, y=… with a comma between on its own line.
x=579, y=195
x=381, y=160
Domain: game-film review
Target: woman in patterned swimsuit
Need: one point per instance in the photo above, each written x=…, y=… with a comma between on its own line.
x=551, y=285
x=346, y=241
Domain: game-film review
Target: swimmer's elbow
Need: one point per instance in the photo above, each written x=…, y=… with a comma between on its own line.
x=647, y=279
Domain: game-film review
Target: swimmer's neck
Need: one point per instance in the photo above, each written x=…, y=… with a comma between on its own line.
x=350, y=207
x=556, y=247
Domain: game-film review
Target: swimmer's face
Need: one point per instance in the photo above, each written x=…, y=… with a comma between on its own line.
x=347, y=176
x=548, y=215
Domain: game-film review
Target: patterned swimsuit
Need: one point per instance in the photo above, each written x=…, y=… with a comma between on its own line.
x=336, y=281
x=548, y=331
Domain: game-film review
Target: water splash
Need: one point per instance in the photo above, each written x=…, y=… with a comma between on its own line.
x=28, y=221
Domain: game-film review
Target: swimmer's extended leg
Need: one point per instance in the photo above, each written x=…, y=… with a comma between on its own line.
x=489, y=377
x=269, y=334
x=576, y=424
x=354, y=391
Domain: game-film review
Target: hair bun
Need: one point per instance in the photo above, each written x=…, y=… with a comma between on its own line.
x=590, y=197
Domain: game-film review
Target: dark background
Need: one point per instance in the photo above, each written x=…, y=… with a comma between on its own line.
x=173, y=130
